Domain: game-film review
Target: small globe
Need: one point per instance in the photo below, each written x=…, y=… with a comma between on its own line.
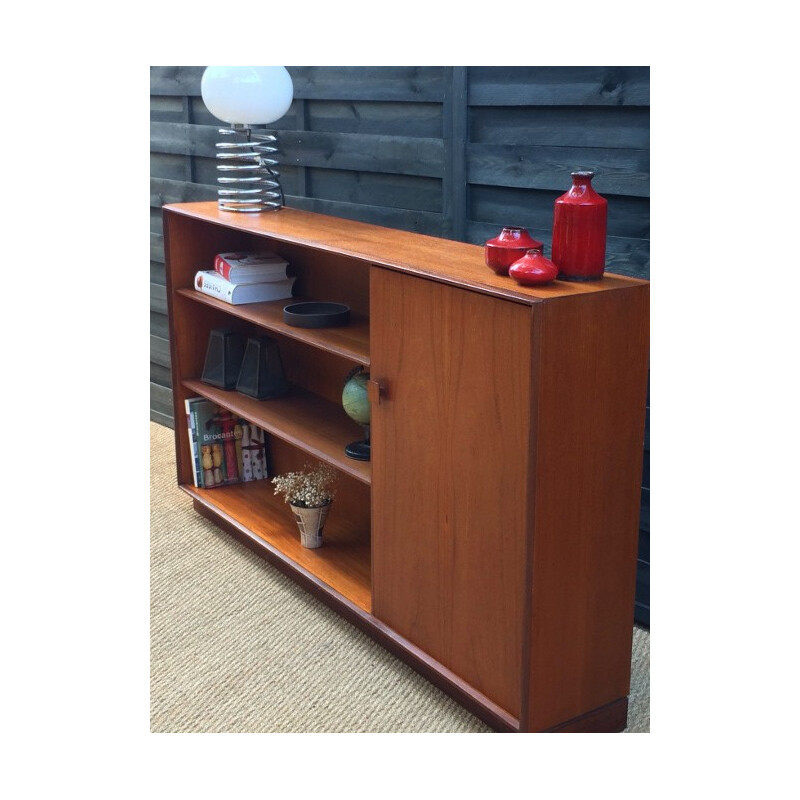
x=355, y=400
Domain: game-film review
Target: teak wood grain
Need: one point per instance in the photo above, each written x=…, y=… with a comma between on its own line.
x=313, y=424
x=589, y=407
x=343, y=563
x=449, y=475
x=349, y=341
x=491, y=541
x=446, y=261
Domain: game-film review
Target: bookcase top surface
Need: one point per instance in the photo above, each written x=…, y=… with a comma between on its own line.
x=432, y=257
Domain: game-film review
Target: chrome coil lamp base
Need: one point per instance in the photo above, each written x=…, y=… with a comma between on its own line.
x=248, y=171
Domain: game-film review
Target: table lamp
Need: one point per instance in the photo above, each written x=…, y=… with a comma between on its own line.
x=243, y=97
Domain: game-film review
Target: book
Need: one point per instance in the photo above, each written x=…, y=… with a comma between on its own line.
x=254, y=453
x=250, y=267
x=197, y=474
x=225, y=448
x=212, y=283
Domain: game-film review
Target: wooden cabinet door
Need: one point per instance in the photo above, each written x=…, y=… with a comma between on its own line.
x=450, y=445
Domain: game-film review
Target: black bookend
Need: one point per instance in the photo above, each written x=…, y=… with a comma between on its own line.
x=262, y=375
x=223, y=358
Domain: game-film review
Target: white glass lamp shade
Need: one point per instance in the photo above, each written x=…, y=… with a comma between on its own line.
x=247, y=95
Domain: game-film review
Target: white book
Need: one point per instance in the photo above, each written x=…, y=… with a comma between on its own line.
x=212, y=283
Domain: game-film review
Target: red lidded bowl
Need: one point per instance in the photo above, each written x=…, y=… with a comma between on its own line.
x=509, y=246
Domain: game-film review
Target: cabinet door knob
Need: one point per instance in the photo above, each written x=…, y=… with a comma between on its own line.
x=375, y=391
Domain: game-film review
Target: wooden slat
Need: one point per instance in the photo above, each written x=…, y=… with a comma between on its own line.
x=158, y=298
x=628, y=217
x=301, y=124
x=160, y=375
x=175, y=80
x=168, y=165
x=161, y=418
x=381, y=117
x=184, y=138
x=644, y=513
x=411, y=192
x=398, y=84
x=157, y=273
x=644, y=546
x=161, y=400
x=566, y=86
x=356, y=151
x=159, y=351
x=156, y=221
x=157, y=247
x=163, y=191
x=554, y=126
x=455, y=136
x=159, y=325
x=166, y=109
x=414, y=84
x=617, y=171
x=403, y=219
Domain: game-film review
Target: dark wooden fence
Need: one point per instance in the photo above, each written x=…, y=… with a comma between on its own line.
x=456, y=152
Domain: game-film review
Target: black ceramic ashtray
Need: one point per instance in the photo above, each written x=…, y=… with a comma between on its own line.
x=316, y=314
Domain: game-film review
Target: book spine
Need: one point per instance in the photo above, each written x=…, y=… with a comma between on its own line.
x=191, y=442
x=252, y=273
x=254, y=454
x=212, y=283
x=197, y=472
x=247, y=465
x=223, y=262
x=239, y=435
x=222, y=267
x=200, y=474
x=257, y=441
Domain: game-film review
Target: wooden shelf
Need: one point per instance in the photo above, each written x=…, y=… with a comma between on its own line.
x=350, y=341
x=310, y=423
x=342, y=563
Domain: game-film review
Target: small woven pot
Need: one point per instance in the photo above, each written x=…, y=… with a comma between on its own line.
x=311, y=521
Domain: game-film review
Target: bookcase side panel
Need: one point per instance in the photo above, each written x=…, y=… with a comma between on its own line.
x=589, y=409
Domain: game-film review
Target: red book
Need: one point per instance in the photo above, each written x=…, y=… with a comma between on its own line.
x=250, y=267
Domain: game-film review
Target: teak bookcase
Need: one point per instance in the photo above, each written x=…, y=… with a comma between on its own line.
x=491, y=541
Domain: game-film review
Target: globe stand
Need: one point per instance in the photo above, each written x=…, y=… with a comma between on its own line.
x=360, y=451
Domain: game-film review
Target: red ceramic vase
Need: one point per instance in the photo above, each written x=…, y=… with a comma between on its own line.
x=533, y=269
x=579, y=231
x=507, y=247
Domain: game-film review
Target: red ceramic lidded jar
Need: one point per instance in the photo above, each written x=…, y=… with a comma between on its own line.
x=507, y=247
x=533, y=269
x=579, y=231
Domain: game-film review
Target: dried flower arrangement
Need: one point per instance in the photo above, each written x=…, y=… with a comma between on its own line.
x=311, y=487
